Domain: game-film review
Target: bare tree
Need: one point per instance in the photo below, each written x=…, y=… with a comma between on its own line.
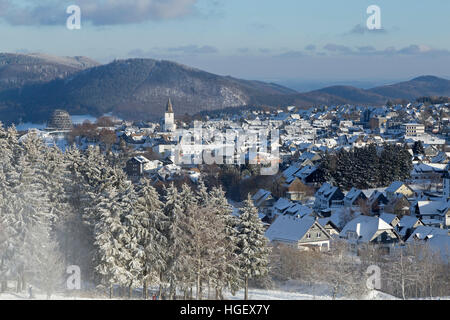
x=401, y=271
x=341, y=272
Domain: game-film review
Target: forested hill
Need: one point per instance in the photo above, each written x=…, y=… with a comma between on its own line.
x=32, y=86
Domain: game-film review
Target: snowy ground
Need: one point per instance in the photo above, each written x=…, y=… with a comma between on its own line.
x=288, y=291
x=291, y=290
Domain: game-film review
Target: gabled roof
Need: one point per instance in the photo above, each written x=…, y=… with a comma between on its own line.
x=408, y=222
x=326, y=191
x=291, y=229
x=395, y=186
x=375, y=195
x=259, y=194
x=388, y=217
x=141, y=159
x=290, y=171
x=369, y=226
x=282, y=204
x=353, y=194
x=433, y=207
x=325, y=221
x=266, y=196
x=299, y=210
x=425, y=233
x=305, y=172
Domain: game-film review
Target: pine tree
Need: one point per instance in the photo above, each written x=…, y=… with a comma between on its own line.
x=28, y=204
x=47, y=264
x=253, y=250
x=78, y=238
x=111, y=256
x=226, y=268
x=176, y=240
x=150, y=223
x=134, y=253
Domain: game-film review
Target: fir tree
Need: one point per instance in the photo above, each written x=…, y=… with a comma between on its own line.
x=226, y=268
x=111, y=256
x=253, y=250
x=150, y=223
x=176, y=242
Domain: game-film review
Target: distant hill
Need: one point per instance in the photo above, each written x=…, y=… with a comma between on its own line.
x=17, y=70
x=32, y=86
x=421, y=86
x=134, y=89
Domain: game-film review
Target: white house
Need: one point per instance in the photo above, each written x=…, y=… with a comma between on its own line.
x=301, y=233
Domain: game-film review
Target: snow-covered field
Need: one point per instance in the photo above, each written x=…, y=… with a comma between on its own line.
x=291, y=290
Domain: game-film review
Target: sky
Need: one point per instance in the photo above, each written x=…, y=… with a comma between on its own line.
x=280, y=41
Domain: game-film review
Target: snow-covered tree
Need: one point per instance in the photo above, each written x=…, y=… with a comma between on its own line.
x=134, y=253
x=47, y=266
x=253, y=250
x=111, y=256
x=225, y=268
x=176, y=241
x=150, y=221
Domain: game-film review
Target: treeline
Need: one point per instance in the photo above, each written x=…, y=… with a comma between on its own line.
x=367, y=167
x=78, y=208
x=433, y=100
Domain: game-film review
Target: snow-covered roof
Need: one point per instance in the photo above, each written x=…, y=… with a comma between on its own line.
x=388, y=217
x=433, y=207
x=282, y=204
x=305, y=171
x=290, y=171
x=375, y=195
x=441, y=244
x=407, y=222
x=394, y=186
x=352, y=195
x=429, y=167
x=141, y=159
x=259, y=194
x=289, y=229
x=326, y=191
x=425, y=233
x=299, y=210
x=368, y=227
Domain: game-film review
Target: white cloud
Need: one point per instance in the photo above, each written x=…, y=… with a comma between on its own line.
x=98, y=12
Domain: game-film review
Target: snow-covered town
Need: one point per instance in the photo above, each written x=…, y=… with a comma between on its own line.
x=182, y=208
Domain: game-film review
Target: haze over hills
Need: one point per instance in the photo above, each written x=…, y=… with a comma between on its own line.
x=32, y=86
x=17, y=70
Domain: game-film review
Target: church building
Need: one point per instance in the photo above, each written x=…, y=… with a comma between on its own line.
x=169, y=118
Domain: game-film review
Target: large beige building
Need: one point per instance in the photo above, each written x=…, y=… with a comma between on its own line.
x=413, y=129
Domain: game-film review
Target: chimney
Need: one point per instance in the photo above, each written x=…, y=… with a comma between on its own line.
x=358, y=229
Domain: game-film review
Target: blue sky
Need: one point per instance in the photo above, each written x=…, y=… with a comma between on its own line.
x=253, y=39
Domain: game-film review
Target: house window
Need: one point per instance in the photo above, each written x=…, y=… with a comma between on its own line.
x=308, y=236
x=318, y=234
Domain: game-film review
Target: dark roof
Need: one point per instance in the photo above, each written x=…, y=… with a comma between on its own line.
x=169, y=108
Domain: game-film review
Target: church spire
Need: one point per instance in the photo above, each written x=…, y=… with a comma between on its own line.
x=169, y=108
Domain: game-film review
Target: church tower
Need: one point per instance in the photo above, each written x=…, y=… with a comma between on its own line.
x=169, y=118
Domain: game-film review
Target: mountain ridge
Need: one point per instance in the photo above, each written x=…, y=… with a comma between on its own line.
x=36, y=84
